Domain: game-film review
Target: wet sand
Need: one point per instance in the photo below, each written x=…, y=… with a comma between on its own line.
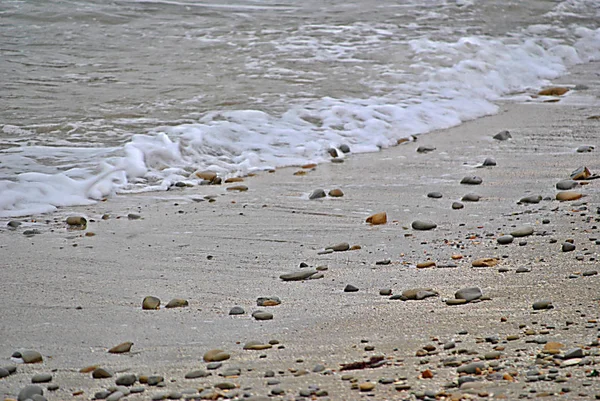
x=71, y=297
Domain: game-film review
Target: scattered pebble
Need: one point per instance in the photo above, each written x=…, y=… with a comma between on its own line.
x=423, y=225
x=121, y=348
x=151, y=303
x=177, y=303
x=541, y=305
x=502, y=136
x=378, y=218
x=336, y=193
x=471, y=180
x=350, y=288
x=216, y=355
x=470, y=197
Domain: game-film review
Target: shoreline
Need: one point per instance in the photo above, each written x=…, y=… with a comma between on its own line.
x=71, y=296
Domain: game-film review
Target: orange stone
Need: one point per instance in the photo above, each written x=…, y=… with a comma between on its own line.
x=378, y=218
x=310, y=165
x=423, y=265
x=427, y=374
x=234, y=179
x=568, y=196
x=554, y=91
x=485, y=262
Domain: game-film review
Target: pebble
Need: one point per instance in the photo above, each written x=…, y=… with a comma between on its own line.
x=31, y=233
x=196, y=374
x=378, y=218
x=423, y=225
x=540, y=305
x=385, y=291
x=29, y=356
x=116, y=396
x=225, y=386
x=336, y=193
x=457, y=205
x=13, y=224
x=368, y=386
x=343, y=246
x=531, y=199
x=216, y=355
x=469, y=294
x=471, y=198
x=78, y=221
x=177, y=303
x=345, y=148
x=418, y=294
x=268, y=301
x=350, y=288
x=41, y=378
x=238, y=188
x=471, y=368
x=485, y=262
x=489, y=162
x=522, y=231
x=151, y=303
x=589, y=273
x=256, y=346
x=29, y=391
x=4, y=373
x=133, y=216
x=126, y=380
x=452, y=302
x=585, y=148
x=566, y=185
x=425, y=149
x=505, y=239
x=426, y=264
x=101, y=373
x=554, y=91
x=502, y=136
x=318, y=368
x=237, y=310
x=383, y=262
x=260, y=315
x=298, y=275
x=474, y=180
x=573, y=353
x=522, y=270
x=121, y=348
x=155, y=380
x=434, y=195
x=213, y=365
x=568, y=247
x=564, y=196
x=317, y=194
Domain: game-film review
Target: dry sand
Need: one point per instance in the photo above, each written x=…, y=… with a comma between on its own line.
x=71, y=296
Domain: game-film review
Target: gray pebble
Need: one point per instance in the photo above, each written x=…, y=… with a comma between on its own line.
x=522, y=270
x=41, y=378
x=469, y=294
x=195, y=374
x=434, y=195
x=423, y=225
x=260, y=315
x=116, y=396
x=505, y=239
x=101, y=373
x=471, y=180
x=4, y=373
x=101, y=395
x=470, y=198
x=565, y=185
x=317, y=194
x=126, y=380
x=502, y=136
x=425, y=149
x=343, y=246
x=298, y=275
x=489, y=162
x=585, y=148
x=471, y=368
x=32, y=232
x=155, y=380
x=573, y=353
x=522, y=231
x=457, y=205
x=29, y=391
x=385, y=292
x=531, y=199
x=13, y=224
x=540, y=305
x=213, y=365
x=345, y=148
x=568, y=247
x=237, y=310
x=133, y=216
x=350, y=288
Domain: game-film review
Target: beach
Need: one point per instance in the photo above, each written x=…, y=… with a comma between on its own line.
x=72, y=292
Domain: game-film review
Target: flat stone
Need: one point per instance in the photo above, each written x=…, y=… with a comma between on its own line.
x=485, y=262
x=531, y=199
x=237, y=310
x=574, y=353
x=225, y=386
x=155, y=380
x=317, y=194
x=256, y=346
x=385, y=292
x=423, y=225
x=41, y=378
x=126, y=380
x=565, y=196
x=116, y=396
x=13, y=224
x=384, y=262
x=29, y=391
x=522, y=231
x=434, y=195
x=121, y=348
x=469, y=294
x=343, y=246
x=268, y=301
x=568, y=247
x=151, y=303
x=457, y=205
x=505, y=239
x=133, y=216
x=260, y=315
x=368, y=386
x=470, y=197
x=101, y=373
x=30, y=356
x=566, y=185
x=502, y=136
x=541, y=305
x=585, y=148
x=553, y=91
x=238, y=188
x=298, y=275
x=213, y=365
x=177, y=303
x=522, y=270
x=471, y=368
x=350, y=288
x=425, y=149
x=426, y=264
x=196, y=374
x=452, y=302
x=216, y=355
x=418, y=294
x=78, y=221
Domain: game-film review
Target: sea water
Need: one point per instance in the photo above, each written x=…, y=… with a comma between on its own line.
x=105, y=97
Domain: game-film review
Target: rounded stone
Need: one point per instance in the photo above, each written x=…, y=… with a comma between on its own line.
x=469, y=294
x=298, y=275
x=566, y=185
x=377, y=218
x=260, y=315
x=531, y=199
x=502, y=136
x=452, y=302
x=116, y=396
x=126, y=380
x=470, y=197
x=177, y=303
x=457, y=205
x=196, y=374
x=216, y=355
x=368, y=386
x=585, y=148
x=489, y=162
x=568, y=247
x=541, y=305
x=474, y=180
x=151, y=303
x=41, y=378
x=505, y=239
x=434, y=195
x=385, y=292
x=522, y=231
x=345, y=148
x=317, y=194
x=101, y=373
x=121, y=348
x=256, y=346
x=425, y=149
x=423, y=225
x=4, y=373
x=237, y=310
x=336, y=193
x=78, y=221
x=565, y=196
x=30, y=356
x=29, y=391
x=225, y=386
x=343, y=246
x=13, y=224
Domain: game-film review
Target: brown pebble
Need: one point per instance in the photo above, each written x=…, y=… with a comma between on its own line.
x=368, y=386
x=378, y=218
x=568, y=196
x=428, y=263
x=336, y=193
x=239, y=188
x=485, y=262
x=553, y=91
x=233, y=179
x=216, y=355
x=121, y=348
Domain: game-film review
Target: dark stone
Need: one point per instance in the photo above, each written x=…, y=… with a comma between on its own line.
x=423, y=225
x=237, y=310
x=350, y=288
x=317, y=194
x=568, y=247
x=434, y=195
x=469, y=294
x=503, y=136
x=471, y=180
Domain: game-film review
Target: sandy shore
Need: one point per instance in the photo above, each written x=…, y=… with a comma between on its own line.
x=72, y=296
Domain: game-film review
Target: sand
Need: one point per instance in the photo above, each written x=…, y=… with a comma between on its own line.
x=72, y=297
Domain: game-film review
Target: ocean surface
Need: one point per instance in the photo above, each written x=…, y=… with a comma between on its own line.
x=103, y=97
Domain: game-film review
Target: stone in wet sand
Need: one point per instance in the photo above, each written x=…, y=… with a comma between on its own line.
x=469, y=294
x=581, y=173
x=126, y=380
x=29, y=356
x=336, y=193
x=121, y=348
x=585, y=148
x=298, y=275
x=261, y=315
x=489, y=162
x=151, y=303
x=434, y=195
x=470, y=197
x=485, y=262
x=256, y=346
x=30, y=392
x=471, y=180
x=418, y=294
x=568, y=247
x=425, y=149
x=565, y=196
x=268, y=301
x=41, y=378
x=566, y=185
x=77, y=221
x=541, y=305
x=503, y=136
x=531, y=199
x=505, y=239
x=378, y=218
x=197, y=374
x=423, y=225
x=177, y=303
x=343, y=246
x=553, y=91
x=238, y=188
x=317, y=194
x=457, y=205
x=101, y=373
x=522, y=231
x=350, y=288
x=216, y=355
x=237, y=310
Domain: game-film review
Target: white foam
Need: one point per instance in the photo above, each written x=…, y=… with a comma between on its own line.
x=451, y=82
